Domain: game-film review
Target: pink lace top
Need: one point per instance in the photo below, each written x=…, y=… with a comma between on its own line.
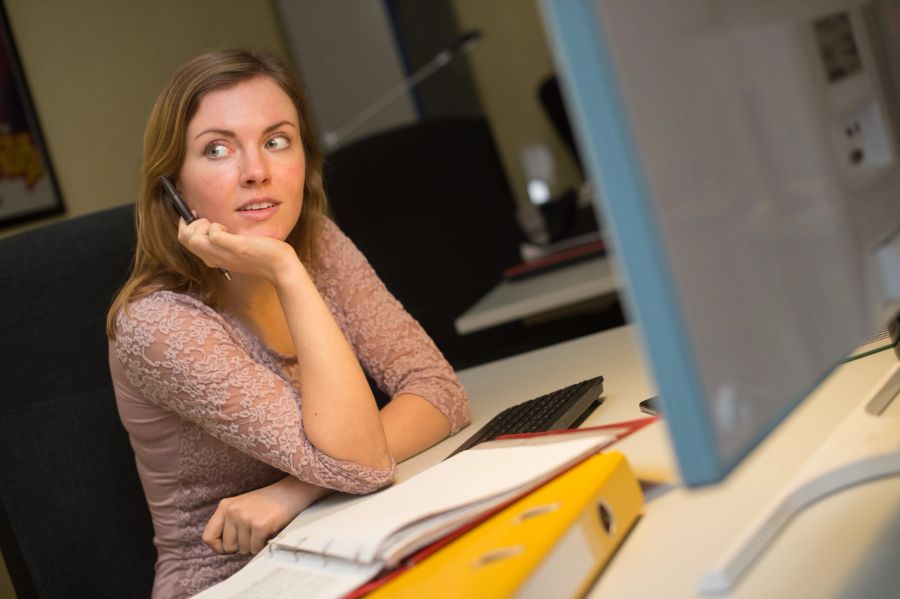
x=213, y=413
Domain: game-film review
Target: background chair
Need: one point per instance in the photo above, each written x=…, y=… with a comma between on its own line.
x=73, y=519
x=430, y=207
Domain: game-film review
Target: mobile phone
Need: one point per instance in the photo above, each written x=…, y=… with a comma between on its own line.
x=651, y=406
x=177, y=201
x=182, y=209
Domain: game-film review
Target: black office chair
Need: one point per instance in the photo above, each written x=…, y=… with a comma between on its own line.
x=73, y=518
x=430, y=207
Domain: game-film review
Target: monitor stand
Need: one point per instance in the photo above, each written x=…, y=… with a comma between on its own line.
x=865, y=446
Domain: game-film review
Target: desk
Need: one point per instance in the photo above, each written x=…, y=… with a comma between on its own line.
x=558, y=288
x=845, y=546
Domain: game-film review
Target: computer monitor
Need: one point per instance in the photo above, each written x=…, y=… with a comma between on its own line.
x=747, y=158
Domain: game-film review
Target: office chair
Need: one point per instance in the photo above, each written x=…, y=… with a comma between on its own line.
x=430, y=207
x=73, y=519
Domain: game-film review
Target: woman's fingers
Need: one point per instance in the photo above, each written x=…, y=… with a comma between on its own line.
x=218, y=227
x=226, y=531
x=195, y=237
x=229, y=531
x=230, y=536
x=219, y=235
x=258, y=539
x=212, y=534
x=246, y=254
x=243, y=538
x=194, y=230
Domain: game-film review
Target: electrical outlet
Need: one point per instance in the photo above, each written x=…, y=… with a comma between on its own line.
x=862, y=143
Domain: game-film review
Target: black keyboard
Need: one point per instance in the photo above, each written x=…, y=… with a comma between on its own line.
x=559, y=410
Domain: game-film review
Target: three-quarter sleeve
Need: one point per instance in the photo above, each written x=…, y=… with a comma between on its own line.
x=389, y=343
x=181, y=355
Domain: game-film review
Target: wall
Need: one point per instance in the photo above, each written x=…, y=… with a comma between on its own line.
x=348, y=58
x=94, y=68
x=424, y=30
x=508, y=65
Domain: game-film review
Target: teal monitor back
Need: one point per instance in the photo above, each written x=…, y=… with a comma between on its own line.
x=745, y=154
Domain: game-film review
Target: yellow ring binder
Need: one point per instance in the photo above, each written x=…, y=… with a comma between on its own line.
x=560, y=551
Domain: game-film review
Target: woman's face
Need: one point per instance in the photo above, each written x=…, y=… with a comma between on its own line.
x=244, y=165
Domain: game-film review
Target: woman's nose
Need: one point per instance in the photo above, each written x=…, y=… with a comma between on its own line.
x=253, y=169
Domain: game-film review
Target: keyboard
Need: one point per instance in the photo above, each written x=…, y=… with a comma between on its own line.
x=559, y=410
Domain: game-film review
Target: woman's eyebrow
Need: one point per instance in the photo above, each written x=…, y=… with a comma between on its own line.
x=230, y=133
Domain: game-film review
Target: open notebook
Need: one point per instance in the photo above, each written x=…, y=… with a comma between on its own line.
x=332, y=556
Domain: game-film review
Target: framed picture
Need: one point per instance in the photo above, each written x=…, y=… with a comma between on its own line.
x=28, y=187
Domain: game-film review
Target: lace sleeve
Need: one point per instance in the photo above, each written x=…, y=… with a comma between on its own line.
x=389, y=343
x=179, y=353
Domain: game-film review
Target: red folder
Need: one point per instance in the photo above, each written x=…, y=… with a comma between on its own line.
x=555, y=260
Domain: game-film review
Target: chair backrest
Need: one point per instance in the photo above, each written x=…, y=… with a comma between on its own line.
x=430, y=207
x=73, y=518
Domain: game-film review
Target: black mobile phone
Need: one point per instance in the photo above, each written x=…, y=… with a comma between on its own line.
x=651, y=406
x=177, y=201
x=182, y=209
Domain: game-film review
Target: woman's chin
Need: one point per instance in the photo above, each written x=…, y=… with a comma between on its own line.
x=272, y=223
x=269, y=228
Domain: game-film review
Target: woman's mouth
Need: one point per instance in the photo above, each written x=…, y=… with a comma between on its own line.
x=257, y=206
x=258, y=210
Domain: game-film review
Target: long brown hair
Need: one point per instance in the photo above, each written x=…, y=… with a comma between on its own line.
x=160, y=261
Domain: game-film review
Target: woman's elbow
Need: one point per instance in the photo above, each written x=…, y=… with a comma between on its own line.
x=460, y=416
x=351, y=477
x=371, y=481
x=372, y=484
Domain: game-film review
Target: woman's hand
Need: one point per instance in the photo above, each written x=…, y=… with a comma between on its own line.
x=244, y=523
x=247, y=254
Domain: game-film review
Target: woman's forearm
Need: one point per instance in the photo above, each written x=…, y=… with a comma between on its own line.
x=412, y=425
x=339, y=413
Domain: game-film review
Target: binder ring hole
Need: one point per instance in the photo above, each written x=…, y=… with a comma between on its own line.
x=497, y=555
x=537, y=511
x=606, y=518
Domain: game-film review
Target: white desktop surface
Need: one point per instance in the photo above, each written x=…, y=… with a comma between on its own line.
x=847, y=545
x=558, y=288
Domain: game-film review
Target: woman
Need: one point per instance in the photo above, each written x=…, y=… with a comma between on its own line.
x=246, y=399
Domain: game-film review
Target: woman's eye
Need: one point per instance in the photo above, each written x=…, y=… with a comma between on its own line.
x=279, y=142
x=215, y=150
